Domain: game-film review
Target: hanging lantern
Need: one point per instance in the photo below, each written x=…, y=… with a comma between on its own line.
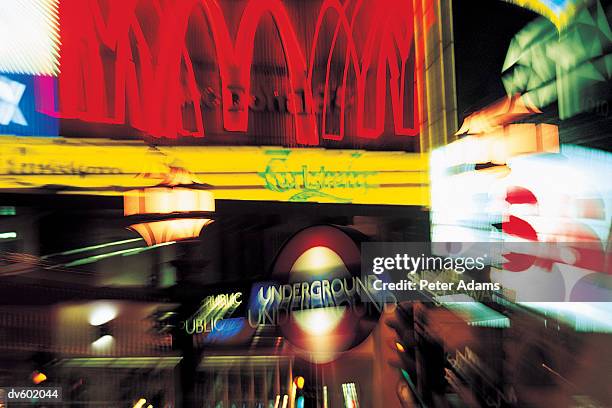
x=176, y=209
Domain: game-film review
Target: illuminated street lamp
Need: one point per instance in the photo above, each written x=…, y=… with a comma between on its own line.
x=176, y=209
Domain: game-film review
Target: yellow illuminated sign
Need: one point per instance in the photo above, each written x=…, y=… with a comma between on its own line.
x=109, y=167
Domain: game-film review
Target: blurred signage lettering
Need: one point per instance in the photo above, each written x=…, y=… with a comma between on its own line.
x=211, y=312
x=309, y=183
x=316, y=293
x=471, y=370
x=236, y=173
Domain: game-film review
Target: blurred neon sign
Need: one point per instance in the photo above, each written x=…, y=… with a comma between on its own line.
x=210, y=314
x=317, y=296
x=118, y=67
x=236, y=173
x=503, y=184
x=309, y=183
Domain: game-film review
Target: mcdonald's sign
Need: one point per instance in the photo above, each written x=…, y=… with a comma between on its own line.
x=262, y=72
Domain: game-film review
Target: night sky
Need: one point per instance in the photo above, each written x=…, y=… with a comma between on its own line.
x=483, y=30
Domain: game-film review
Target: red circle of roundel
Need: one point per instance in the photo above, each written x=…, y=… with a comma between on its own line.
x=356, y=322
x=319, y=236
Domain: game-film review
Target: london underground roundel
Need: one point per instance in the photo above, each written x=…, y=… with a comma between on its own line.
x=323, y=292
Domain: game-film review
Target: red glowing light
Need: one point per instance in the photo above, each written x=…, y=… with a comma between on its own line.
x=581, y=239
x=128, y=63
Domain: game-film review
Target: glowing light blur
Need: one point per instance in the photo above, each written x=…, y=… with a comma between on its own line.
x=473, y=312
x=29, y=37
x=593, y=317
x=530, y=204
x=123, y=252
x=166, y=200
x=502, y=185
x=325, y=397
x=140, y=403
x=92, y=248
x=315, y=263
x=157, y=232
x=299, y=382
x=38, y=377
x=349, y=392
x=103, y=344
x=559, y=12
x=169, y=198
x=574, y=211
x=319, y=324
x=225, y=330
x=102, y=313
x=497, y=114
x=318, y=262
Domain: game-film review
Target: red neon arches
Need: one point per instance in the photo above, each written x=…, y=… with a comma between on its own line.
x=99, y=79
x=127, y=63
x=388, y=36
x=234, y=59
